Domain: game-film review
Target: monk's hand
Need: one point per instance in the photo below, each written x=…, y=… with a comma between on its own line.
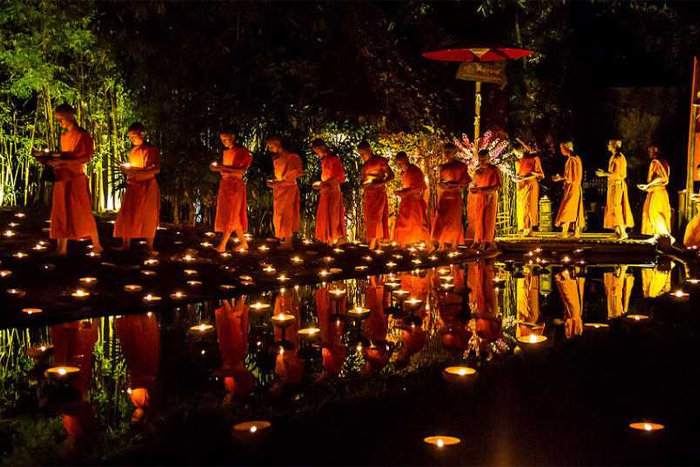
x=643, y=187
x=601, y=173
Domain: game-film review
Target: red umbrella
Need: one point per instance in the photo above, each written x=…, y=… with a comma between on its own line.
x=477, y=55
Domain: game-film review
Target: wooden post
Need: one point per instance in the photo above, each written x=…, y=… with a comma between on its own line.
x=477, y=111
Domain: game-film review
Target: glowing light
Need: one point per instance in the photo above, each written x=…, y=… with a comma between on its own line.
x=202, y=328
x=259, y=306
x=646, y=426
x=637, y=317
x=441, y=441
x=132, y=288
x=188, y=259
x=148, y=273
x=80, y=294
x=151, y=298
x=151, y=262
x=87, y=281
x=194, y=283
x=532, y=339
x=20, y=255
x=296, y=260
x=5, y=273
x=9, y=233
x=190, y=272
x=31, y=311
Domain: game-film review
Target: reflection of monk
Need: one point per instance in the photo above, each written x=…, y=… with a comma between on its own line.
x=453, y=326
x=139, y=336
x=419, y=287
x=232, y=333
x=528, y=302
x=656, y=281
x=484, y=301
x=73, y=346
x=288, y=366
x=618, y=288
x=333, y=350
x=571, y=291
x=376, y=325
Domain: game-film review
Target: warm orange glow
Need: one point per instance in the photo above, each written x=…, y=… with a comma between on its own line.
x=646, y=426
x=80, y=293
x=202, y=328
x=532, y=339
x=259, y=306
x=441, y=440
x=132, y=288
x=87, y=280
x=637, y=317
x=31, y=311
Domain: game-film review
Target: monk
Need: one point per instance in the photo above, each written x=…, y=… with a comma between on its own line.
x=571, y=290
x=529, y=174
x=411, y=224
x=139, y=336
x=140, y=211
x=528, y=301
x=71, y=208
x=285, y=192
x=656, y=217
x=657, y=281
x=448, y=226
x=487, y=182
x=571, y=207
x=376, y=173
x=618, y=214
x=232, y=200
x=618, y=290
x=330, y=214
x=691, y=239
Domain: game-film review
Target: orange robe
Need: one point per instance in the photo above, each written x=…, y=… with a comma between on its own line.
x=483, y=301
x=232, y=201
x=471, y=215
x=656, y=217
x=232, y=335
x=330, y=214
x=529, y=191
x=617, y=206
x=692, y=232
x=333, y=351
x=71, y=208
x=140, y=211
x=618, y=289
x=486, y=203
x=288, y=168
x=571, y=290
x=448, y=226
x=656, y=282
x=528, y=301
x=571, y=207
x=376, y=204
x=411, y=224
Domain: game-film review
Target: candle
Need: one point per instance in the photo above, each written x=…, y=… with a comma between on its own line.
x=188, y=259
x=646, y=426
x=178, y=295
x=401, y=294
x=441, y=441
x=5, y=273
x=392, y=285
x=390, y=264
x=263, y=248
x=680, y=295
x=413, y=302
x=259, y=306
x=296, y=260
x=335, y=270
x=226, y=286
x=596, y=325
x=16, y=293
x=306, y=241
x=225, y=254
x=245, y=431
x=328, y=259
x=190, y=272
x=282, y=278
x=309, y=333
x=9, y=233
x=453, y=254
x=19, y=255
x=87, y=281
x=361, y=268
x=458, y=374
x=132, y=288
x=269, y=269
x=397, y=256
x=637, y=317
x=367, y=258
x=283, y=319
x=337, y=293
x=80, y=294
x=92, y=254
x=20, y=215
x=433, y=258
x=444, y=271
x=38, y=247
x=31, y=311
x=210, y=234
x=206, y=244
x=378, y=251
x=60, y=374
x=194, y=283
x=151, y=298
x=416, y=261
x=532, y=339
x=246, y=278
x=39, y=352
x=202, y=328
x=324, y=273
x=693, y=281
x=358, y=312
x=48, y=267
x=151, y=262
x=148, y=273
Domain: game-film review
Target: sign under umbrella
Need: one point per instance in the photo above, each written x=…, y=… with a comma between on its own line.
x=482, y=65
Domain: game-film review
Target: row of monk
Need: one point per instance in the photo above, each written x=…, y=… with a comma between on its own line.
x=138, y=217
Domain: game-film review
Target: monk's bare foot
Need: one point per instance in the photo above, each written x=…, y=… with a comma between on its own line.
x=623, y=236
x=527, y=232
x=577, y=233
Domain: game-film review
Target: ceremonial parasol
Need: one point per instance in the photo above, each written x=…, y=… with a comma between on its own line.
x=479, y=64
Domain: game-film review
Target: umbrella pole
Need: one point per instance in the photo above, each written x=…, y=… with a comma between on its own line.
x=477, y=110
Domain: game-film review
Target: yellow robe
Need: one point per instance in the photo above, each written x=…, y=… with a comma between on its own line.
x=529, y=191
x=618, y=289
x=571, y=207
x=571, y=291
x=656, y=217
x=617, y=207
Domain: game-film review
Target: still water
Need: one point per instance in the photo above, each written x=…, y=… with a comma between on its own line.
x=93, y=382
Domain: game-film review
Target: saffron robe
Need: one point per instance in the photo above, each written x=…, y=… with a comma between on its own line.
x=656, y=282
x=411, y=224
x=330, y=214
x=528, y=191
x=448, y=226
x=528, y=301
x=232, y=335
x=332, y=349
x=288, y=168
x=232, y=200
x=571, y=207
x=486, y=203
x=618, y=289
x=375, y=202
x=140, y=211
x=692, y=232
x=656, y=217
x=571, y=292
x=617, y=206
x=71, y=207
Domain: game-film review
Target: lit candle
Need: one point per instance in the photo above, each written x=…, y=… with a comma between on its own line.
x=206, y=244
x=148, y=273
x=5, y=273
x=596, y=325
x=247, y=430
x=296, y=260
x=309, y=333
x=80, y=294
x=151, y=262
x=282, y=278
x=441, y=441
x=48, y=267
x=532, y=339
x=202, y=328
x=259, y=306
x=190, y=272
x=328, y=259
x=226, y=286
x=151, y=298
x=269, y=269
x=338, y=250
x=337, y=293
x=637, y=317
x=225, y=254
x=416, y=261
x=132, y=288
x=16, y=293
x=646, y=426
x=459, y=374
x=433, y=258
x=361, y=268
x=413, y=302
x=283, y=319
x=324, y=273
x=20, y=215
x=9, y=233
x=390, y=264
x=19, y=255
x=61, y=373
x=178, y=295
x=194, y=283
x=87, y=281
x=39, y=352
x=397, y=256
x=210, y=234
x=367, y=258
x=188, y=259
x=358, y=312
x=263, y=248
x=680, y=295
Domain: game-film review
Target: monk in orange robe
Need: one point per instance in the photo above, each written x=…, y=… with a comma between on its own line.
x=140, y=211
x=448, y=227
x=139, y=336
x=376, y=173
x=330, y=214
x=618, y=214
x=571, y=290
x=232, y=333
x=71, y=208
x=618, y=289
x=571, y=207
x=232, y=201
x=285, y=192
x=657, y=281
x=411, y=224
x=484, y=187
x=656, y=217
x=528, y=301
x=529, y=174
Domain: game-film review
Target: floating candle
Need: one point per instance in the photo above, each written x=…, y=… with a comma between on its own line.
x=416, y=261
x=296, y=260
x=5, y=273
x=361, y=268
x=61, y=373
x=88, y=281
x=251, y=427
x=39, y=352
x=188, y=259
x=226, y=286
x=679, y=294
x=16, y=293
x=148, y=273
x=309, y=332
x=358, y=312
x=596, y=325
x=413, y=302
x=441, y=441
x=132, y=288
x=259, y=306
x=646, y=426
x=532, y=339
x=20, y=215
x=458, y=374
x=31, y=311
x=324, y=273
x=190, y=272
x=80, y=294
x=202, y=328
x=151, y=262
x=194, y=283
x=210, y=234
x=9, y=233
x=283, y=319
x=269, y=269
x=19, y=255
x=178, y=295
x=637, y=317
x=150, y=298
x=391, y=264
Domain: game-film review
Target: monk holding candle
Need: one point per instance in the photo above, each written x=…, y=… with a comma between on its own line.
x=330, y=214
x=529, y=170
x=618, y=214
x=71, y=208
x=140, y=211
x=232, y=201
x=448, y=227
x=285, y=192
x=571, y=207
x=656, y=217
x=411, y=224
x=484, y=188
x=375, y=175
